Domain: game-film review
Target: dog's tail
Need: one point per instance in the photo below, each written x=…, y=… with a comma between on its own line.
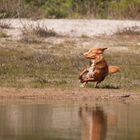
x=113, y=69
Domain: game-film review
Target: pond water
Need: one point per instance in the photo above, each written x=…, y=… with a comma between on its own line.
x=69, y=122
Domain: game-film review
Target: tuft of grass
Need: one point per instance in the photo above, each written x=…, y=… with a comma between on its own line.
x=39, y=30
x=4, y=25
x=35, y=34
x=3, y=34
x=133, y=30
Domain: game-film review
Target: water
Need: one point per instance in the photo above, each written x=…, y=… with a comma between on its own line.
x=69, y=122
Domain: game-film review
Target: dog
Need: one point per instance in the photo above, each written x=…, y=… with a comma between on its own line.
x=98, y=69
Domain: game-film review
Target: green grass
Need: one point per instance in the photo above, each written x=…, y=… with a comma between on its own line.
x=112, y=9
x=27, y=65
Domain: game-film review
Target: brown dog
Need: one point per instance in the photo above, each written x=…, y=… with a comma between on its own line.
x=99, y=67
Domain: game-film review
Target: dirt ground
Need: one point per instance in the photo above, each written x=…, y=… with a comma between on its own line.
x=77, y=95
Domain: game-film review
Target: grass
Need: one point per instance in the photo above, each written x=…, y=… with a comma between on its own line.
x=130, y=66
x=122, y=9
x=36, y=69
x=58, y=65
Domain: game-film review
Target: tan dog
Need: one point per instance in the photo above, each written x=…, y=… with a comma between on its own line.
x=99, y=68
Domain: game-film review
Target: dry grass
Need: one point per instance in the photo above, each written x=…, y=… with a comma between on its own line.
x=134, y=30
x=38, y=30
x=35, y=33
x=4, y=25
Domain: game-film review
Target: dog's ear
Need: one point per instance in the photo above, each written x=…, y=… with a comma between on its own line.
x=103, y=49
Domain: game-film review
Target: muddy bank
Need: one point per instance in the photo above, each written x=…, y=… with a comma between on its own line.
x=79, y=95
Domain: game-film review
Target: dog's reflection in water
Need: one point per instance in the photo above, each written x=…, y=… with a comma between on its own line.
x=94, y=123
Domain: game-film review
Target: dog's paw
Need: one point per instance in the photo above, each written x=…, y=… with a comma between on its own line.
x=82, y=85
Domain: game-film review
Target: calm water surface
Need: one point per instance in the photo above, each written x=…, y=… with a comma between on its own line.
x=69, y=122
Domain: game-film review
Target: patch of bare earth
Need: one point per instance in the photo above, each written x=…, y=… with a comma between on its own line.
x=77, y=94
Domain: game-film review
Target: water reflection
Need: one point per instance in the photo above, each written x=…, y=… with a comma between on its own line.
x=69, y=122
x=37, y=122
x=94, y=123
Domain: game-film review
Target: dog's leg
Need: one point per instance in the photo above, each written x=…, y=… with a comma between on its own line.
x=89, y=80
x=82, y=73
x=83, y=84
x=95, y=85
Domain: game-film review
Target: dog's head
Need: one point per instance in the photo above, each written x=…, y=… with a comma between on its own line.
x=94, y=52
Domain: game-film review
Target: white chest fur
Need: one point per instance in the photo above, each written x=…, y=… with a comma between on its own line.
x=91, y=70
